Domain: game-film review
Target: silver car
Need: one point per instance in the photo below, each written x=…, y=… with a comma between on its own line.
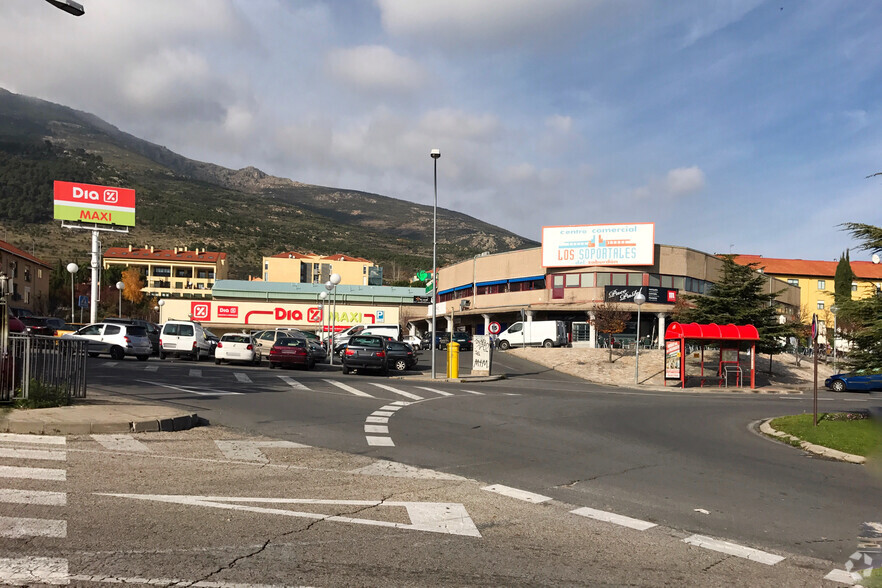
x=114, y=339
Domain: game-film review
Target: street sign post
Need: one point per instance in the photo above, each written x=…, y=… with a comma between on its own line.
x=815, y=355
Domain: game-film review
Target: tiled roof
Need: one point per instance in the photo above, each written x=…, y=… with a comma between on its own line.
x=21, y=253
x=295, y=255
x=863, y=270
x=144, y=254
x=341, y=257
x=335, y=257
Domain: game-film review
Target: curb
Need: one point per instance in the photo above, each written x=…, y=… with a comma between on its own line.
x=89, y=427
x=767, y=429
x=461, y=380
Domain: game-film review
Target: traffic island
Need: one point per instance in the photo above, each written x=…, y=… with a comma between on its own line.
x=850, y=437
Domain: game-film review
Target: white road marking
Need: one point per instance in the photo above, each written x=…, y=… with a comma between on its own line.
x=250, y=450
x=121, y=443
x=382, y=413
x=434, y=517
x=376, y=419
x=391, y=407
x=190, y=391
x=33, y=473
x=840, y=576
x=170, y=582
x=397, y=391
x=515, y=493
x=28, y=571
x=151, y=368
x=18, y=527
x=110, y=364
x=242, y=377
x=376, y=429
x=42, y=497
x=750, y=553
x=379, y=441
x=56, y=455
x=32, y=439
x=195, y=373
x=616, y=519
x=854, y=399
x=293, y=383
x=439, y=392
x=473, y=392
x=349, y=389
x=401, y=403
x=399, y=470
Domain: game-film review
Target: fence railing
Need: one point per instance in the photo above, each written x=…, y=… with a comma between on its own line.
x=50, y=361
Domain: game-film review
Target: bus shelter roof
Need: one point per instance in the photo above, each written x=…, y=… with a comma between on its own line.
x=712, y=332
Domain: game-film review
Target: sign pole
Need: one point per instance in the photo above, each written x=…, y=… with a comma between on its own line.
x=815, y=357
x=96, y=254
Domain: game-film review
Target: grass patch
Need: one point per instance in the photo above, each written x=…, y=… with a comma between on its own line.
x=41, y=395
x=851, y=432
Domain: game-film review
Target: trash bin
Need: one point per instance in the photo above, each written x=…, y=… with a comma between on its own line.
x=453, y=360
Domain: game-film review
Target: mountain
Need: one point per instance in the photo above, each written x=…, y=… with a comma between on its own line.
x=182, y=202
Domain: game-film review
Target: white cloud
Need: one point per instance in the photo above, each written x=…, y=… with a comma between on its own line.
x=376, y=68
x=684, y=180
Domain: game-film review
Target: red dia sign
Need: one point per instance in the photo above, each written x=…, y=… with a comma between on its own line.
x=94, y=204
x=200, y=311
x=314, y=315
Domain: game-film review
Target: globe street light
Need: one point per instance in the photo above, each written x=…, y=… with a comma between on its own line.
x=639, y=299
x=72, y=268
x=435, y=153
x=160, y=303
x=120, y=286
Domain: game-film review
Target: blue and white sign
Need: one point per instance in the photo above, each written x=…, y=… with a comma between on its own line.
x=381, y=316
x=83, y=302
x=605, y=245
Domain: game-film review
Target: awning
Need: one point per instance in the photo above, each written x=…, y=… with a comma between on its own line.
x=492, y=283
x=458, y=288
x=447, y=291
x=712, y=331
x=529, y=279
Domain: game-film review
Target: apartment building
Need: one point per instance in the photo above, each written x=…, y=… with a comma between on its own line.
x=309, y=268
x=177, y=272
x=26, y=277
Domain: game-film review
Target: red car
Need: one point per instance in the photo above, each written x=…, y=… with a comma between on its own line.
x=291, y=351
x=15, y=325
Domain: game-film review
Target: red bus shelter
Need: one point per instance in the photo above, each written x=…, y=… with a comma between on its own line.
x=730, y=339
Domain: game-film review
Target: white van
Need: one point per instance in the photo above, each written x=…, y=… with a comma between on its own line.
x=544, y=333
x=184, y=338
x=389, y=330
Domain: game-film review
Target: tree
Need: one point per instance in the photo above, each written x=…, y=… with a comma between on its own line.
x=864, y=317
x=610, y=319
x=132, y=284
x=843, y=279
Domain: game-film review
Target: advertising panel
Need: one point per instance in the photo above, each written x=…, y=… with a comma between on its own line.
x=673, y=359
x=605, y=245
x=652, y=293
x=102, y=205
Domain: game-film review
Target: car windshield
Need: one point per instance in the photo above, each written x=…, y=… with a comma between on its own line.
x=235, y=338
x=136, y=331
x=291, y=342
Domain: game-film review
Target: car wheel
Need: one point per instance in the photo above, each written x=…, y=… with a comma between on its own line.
x=400, y=365
x=117, y=353
x=385, y=370
x=161, y=355
x=504, y=345
x=217, y=361
x=143, y=357
x=345, y=370
x=272, y=365
x=548, y=343
x=838, y=386
x=311, y=364
x=256, y=360
x=93, y=354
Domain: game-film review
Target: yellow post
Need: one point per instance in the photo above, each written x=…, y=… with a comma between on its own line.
x=453, y=360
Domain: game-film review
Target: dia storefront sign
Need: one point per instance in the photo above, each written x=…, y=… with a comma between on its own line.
x=87, y=203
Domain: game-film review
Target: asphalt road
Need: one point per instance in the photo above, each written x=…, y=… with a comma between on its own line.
x=690, y=462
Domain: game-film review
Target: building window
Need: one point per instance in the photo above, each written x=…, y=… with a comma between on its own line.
x=635, y=279
x=822, y=284
x=654, y=280
x=602, y=279
x=667, y=281
x=266, y=265
x=619, y=279
x=39, y=273
x=266, y=276
x=162, y=271
x=588, y=280
x=558, y=281
x=572, y=280
x=820, y=305
x=184, y=272
x=853, y=287
x=793, y=281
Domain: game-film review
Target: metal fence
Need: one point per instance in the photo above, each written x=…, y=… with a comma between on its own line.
x=50, y=361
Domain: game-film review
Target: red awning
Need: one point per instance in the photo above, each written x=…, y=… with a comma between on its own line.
x=712, y=332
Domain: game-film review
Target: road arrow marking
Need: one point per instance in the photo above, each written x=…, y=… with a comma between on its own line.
x=432, y=517
x=250, y=450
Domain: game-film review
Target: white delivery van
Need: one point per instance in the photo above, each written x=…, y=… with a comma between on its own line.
x=525, y=334
x=390, y=330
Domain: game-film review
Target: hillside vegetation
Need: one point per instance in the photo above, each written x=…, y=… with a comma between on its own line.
x=181, y=202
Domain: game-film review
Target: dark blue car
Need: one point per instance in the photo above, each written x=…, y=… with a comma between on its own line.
x=860, y=381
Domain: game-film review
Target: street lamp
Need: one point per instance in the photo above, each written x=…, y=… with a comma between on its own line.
x=331, y=287
x=120, y=286
x=159, y=304
x=72, y=268
x=834, y=309
x=435, y=153
x=639, y=299
x=323, y=295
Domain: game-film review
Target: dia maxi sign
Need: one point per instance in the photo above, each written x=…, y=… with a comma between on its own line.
x=101, y=205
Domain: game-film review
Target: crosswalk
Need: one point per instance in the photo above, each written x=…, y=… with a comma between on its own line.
x=38, y=452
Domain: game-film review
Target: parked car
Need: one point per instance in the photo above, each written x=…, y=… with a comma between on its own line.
x=180, y=337
x=152, y=329
x=266, y=339
x=237, y=347
x=861, y=380
x=400, y=356
x=415, y=342
x=213, y=340
x=318, y=350
x=38, y=325
x=15, y=325
x=116, y=340
x=461, y=337
x=291, y=351
x=365, y=352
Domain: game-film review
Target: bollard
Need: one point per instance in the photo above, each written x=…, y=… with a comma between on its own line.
x=452, y=360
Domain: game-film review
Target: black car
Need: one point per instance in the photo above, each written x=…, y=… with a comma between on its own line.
x=38, y=325
x=400, y=356
x=461, y=337
x=365, y=352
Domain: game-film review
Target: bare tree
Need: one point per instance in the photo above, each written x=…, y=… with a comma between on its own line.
x=610, y=319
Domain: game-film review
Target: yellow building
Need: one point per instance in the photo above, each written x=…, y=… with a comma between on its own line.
x=301, y=268
x=26, y=279
x=816, y=282
x=174, y=272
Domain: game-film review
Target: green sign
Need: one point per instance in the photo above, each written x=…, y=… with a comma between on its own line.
x=423, y=275
x=430, y=285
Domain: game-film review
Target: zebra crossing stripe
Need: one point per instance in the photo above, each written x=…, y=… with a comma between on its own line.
x=32, y=439
x=442, y=393
x=28, y=571
x=242, y=377
x=397, y=391
x=110, y=364
x=195, y=373
x=18, y=527
x=121, y=443
x=381, y=429
x=151, y=368
x=48, y=454
x=19, y=472
x=611, y=517
x=349, y=389
x=473, y=392
x=293, y=383
x=718, y=545
x=41, y=497
x=380, y=441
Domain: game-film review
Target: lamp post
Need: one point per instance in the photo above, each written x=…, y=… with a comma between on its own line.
x=120, y=286
x=834, y=309
x=323, y=295
x=639, y=299
x=159, y=305
x=72, y=268
x=435, y=153
x=331, y=287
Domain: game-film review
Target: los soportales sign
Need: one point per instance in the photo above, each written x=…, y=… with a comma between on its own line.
x=87, y=203
x=605, y=245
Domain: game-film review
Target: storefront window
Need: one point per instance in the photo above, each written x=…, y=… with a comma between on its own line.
x=588, y=280
x=667, y=281
x=654, y=280
x=635, y=279
x=602, y=279
x=679, y=282
x=572, y=280
x=619, y=279
x=558, y=281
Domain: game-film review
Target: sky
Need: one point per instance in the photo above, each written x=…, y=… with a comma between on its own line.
x=735, y=126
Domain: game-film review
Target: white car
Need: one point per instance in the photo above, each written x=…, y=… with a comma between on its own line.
x=117, y=340
x=237, y=347
x=186, y=338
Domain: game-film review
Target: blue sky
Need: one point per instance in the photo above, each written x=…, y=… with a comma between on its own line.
x=734, y=126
